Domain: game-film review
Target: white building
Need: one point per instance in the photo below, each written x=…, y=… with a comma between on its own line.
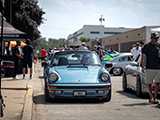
x=96, y=32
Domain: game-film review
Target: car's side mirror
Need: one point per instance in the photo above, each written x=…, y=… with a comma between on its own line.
x=108, y=65
x=133, y=64
x=44, y=64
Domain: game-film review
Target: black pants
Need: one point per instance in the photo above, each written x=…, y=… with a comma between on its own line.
x=16, y=66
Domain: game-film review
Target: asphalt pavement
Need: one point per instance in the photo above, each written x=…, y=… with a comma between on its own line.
x=17, y=95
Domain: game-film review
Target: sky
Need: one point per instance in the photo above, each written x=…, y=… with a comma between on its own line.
x=64, y=17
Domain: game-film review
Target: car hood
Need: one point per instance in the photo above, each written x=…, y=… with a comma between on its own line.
x=83, y=74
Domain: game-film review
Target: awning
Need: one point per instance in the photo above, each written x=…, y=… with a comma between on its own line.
x=13, y=44
x=10, y=33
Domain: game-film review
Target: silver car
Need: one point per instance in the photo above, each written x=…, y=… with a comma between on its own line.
x=134, y=78
x=118, y=63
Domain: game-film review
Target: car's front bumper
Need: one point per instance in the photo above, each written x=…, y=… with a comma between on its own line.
x=84, y=90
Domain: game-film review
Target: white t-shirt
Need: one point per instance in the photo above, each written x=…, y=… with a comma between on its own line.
x=135, y=52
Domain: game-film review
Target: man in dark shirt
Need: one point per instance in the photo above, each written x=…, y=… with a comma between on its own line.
x=27, y=58
x=152, y=53
x=17, y=56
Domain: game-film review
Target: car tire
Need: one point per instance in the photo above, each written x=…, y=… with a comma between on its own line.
x=117, y=71
x=107, y=98
x=138, y=87
x=124, y=82
x=46, y=94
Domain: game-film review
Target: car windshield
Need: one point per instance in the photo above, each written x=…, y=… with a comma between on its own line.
x=75, y=58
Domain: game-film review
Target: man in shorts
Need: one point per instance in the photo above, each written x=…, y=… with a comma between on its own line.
x=151, y=51
x=27, y=58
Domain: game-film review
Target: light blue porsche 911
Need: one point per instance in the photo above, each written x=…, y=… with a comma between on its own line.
x=76, y=74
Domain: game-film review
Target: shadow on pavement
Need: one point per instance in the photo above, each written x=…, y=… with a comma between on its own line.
x=158, y=106
x=132, y=94
x=41, y=77
x=41, y=100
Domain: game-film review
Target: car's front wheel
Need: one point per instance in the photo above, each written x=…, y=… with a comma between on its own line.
x=117, y=71
x=46, y=94
x=107, y=98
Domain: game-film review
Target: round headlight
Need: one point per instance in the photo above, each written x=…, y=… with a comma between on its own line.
x=104, y=77
x=53, y=77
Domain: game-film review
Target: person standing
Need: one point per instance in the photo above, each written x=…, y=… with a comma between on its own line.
x=39, y=55
x=17, y=56
x=43, y=53
x=100, y=53
x=27, y=58
x=136, y=51
x=141, y=44
x=151, y=51
x=95, y=49
x=83, y=47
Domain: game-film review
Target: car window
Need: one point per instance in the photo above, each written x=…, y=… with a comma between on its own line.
x=75, y=57
x=125, y=58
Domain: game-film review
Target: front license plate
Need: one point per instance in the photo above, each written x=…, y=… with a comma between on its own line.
x=79, y=93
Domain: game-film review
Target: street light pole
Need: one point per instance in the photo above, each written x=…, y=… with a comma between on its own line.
x=101, y=19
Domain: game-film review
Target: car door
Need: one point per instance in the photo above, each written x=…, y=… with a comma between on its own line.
x=132, y=73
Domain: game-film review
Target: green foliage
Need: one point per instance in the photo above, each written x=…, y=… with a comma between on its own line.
x=84, y=39
x=26, y=16
x=51, y=43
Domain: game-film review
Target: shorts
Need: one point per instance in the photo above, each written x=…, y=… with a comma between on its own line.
x=27, y=63
x=42, y=58
x=152, y=74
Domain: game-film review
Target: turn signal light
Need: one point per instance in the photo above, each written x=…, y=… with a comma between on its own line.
x=53, y=87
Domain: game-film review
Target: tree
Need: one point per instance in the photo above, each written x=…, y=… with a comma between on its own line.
x=51, y=43
x=26, y=16
x=84, y=39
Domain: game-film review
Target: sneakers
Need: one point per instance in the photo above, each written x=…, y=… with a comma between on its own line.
x=15, y=78
x=23, y=77
x=30, y=77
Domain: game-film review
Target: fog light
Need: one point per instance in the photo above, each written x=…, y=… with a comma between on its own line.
x=100, y=91
x=58, y=92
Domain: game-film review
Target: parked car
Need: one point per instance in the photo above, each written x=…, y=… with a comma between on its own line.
x=108, y=56
x=134, y=78
x=118, y=63
x=76, y=74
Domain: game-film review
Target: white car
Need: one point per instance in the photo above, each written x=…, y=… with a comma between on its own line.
x=118, y=63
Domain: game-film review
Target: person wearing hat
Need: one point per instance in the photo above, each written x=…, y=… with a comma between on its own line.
x=151, y=54
x=27, y=58
x=83, y=47
x=136, y=50
x=17, y=56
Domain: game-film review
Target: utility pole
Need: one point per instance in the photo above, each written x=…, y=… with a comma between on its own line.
x=101, y=19
x=2, y=7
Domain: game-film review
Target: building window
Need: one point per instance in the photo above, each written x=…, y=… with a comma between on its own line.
x=117, y=38
x=112, y=32
x=80, y=34
x=138, y=34
x=126, y=36
x=94, y=32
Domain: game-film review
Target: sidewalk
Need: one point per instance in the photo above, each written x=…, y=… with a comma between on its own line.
x=17, y=95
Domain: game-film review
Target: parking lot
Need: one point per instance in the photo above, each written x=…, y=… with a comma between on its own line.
x=122, y=105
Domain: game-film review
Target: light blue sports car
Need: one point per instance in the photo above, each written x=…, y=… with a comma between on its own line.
x=76, y=74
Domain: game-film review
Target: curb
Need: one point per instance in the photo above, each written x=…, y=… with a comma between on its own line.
x=28, y=105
